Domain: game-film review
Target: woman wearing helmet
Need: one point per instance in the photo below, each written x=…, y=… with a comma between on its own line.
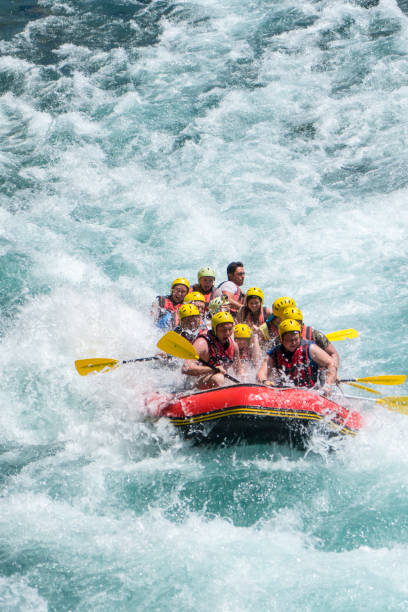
x=205, y=284
x=216, y=348
x=165, y=307
x=253, y=313
x=296, y=362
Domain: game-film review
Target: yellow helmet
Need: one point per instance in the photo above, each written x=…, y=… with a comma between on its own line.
x=219, y=318
x=280, y=304
x=188, y=310
x=242, y=330
x=289, y=325
x=292, y=313
x=194, y=296
x=206, y=271
x=180, y=281
x=217, y=303
x=254, y=292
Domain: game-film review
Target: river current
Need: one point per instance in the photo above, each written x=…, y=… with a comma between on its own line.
x=141, y=141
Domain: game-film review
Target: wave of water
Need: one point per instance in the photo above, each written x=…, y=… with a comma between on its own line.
x=140, y=141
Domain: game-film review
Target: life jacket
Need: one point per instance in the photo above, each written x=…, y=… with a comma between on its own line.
x=248, y=317
x=307, y=332
x=219, y=354
x=238, y=296
x=188, y=334
x=168, y=316
x=299, y=367
x=208, y=296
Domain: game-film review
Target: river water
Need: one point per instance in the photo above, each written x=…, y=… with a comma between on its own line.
x=140, y=141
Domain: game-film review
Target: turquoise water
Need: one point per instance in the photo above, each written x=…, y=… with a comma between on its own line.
x=140, y=141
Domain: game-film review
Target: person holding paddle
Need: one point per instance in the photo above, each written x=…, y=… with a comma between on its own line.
x=216, y=348
x=296, y=362
x=309, y=333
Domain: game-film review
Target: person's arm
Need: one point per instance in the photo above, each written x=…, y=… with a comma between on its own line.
x=324, y=360
x=267, y=374
x=330, y=350
x=232, y=301
x=237, y=365
x=240, y=316
x=193, y=367
x=255, y=350
x=262, y=374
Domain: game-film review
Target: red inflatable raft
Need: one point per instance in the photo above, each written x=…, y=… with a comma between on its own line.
x=255, y=413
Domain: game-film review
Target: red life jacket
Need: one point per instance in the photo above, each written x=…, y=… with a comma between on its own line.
x=166, y=304
x=219, y=354
x=208, y=296
x=299, y=367
x=307, y=332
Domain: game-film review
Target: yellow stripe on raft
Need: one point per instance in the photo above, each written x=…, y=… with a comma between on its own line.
x=308, y=416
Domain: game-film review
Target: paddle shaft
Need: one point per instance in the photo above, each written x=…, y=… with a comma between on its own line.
x=359, y=397
x=235, y=380
x=140, y=359
x=387, y=379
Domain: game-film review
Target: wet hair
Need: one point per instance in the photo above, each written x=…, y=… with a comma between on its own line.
x=233, y=266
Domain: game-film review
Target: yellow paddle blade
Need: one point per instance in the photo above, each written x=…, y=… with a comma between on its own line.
x=353, y=384
x=383, y=380
x=342, y=334
x=96, y=364
x=397, y=404
x=176, y=345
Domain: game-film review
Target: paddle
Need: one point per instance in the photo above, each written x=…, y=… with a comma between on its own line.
x=97, y=364
x=377, y=380
x=342, y=334
x=352, y=384
x=393, y=403
x=176, y=345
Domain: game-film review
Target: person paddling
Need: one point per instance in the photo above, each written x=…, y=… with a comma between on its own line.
x=218, y=349
x=165, y=307
x=231, y=287
x=296, y=361
x=309, y=333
